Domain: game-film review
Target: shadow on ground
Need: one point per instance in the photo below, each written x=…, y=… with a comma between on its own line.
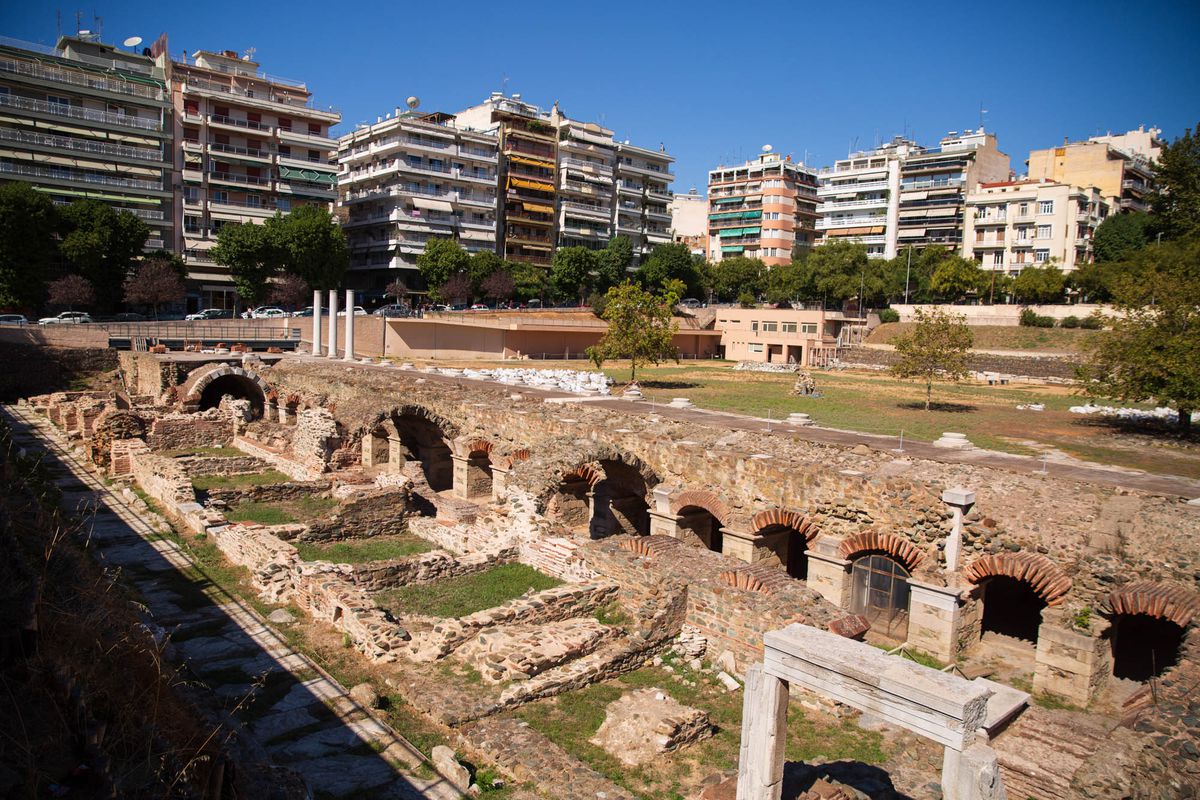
x=874, y=782
x=953, y=408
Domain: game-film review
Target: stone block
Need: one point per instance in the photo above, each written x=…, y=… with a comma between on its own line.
x=645, y=723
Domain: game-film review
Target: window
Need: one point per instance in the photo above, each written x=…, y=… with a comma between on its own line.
x=284, y=204
x=997, y=259
x=314, y=128
x=191, y=194
x=772, y=215
x=253, y=117
x=1046, y=207
x=53, y=100
x=789, y=327
x=1023, y=210
x=1043, y=231
x=285, y=124
x=220, y=196
x=754, y=348
x=1023, y=234
x=221, y=111
x=770, y=327
x=253, y=201
x=191, y=107
x=191, y=224
x=285, y=151
x=754, y=326
x=808, y=327
x=314, y=155
x=1041, y=256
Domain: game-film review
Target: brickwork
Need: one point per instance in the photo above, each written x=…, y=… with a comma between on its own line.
x=187, y=431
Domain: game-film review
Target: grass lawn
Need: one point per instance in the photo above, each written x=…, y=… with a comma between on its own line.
x=212, y=452
x=281, y=513
x=571, y=719
x=1006, y=337
x=271, y=476
x=360, y=551
x=458, y=597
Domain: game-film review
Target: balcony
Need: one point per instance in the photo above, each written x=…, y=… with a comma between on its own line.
x=478, y=154
x=249, y=206
x=304, y=137
x=81, y=145
x=658, y=214
x=664, y=195
x=643, y=169
x=944, y=183
x=871, y=239
x=990, y=221
x=544, y=153
x=250, y=153
x=89, y=80
x=421, y=169
x=589, y=166
x=848, y=222
x=475, y=200
x=281, y=103
x=874, y=202
x=581, y=188
x=147, y=213
x=232, y=178
x=76, y=112
x=74, y=176
x=603, y=212
x=625, y=187
x=221, y=120
x=1136, y=186
x=826, y=189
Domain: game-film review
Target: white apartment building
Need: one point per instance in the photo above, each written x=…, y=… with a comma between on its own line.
x=765, y=209
x=248, y=145
x=1014, y=224
x=587, y=174
x=643, y=199
x=409, y=178
x=860, y=198
x=689, y=220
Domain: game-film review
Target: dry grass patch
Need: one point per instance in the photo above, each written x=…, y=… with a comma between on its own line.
x=361, y=551
x=466, y=594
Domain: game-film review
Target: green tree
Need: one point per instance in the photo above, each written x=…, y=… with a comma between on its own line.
x=571, y=272
x=737, y=275
x=102, y=245
x=1040, y=285
x=316, y=246
x=613, y=263
x=955, y=277
x=1176, y=202
x=483, y=264
x=1152, y=352
x=29, y=224
x=154, y=283
x=837, y=270
x=937, y=346
x=254, y=255
x=530, y=281
x=788, y=282
x=1120, y=236
x=640, y=328
x=666, y=262
x=1095, y=282
x=441, y=259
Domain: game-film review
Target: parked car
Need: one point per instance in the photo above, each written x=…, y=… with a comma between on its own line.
x=13, y=319
x=129, y=316
x=392, y=310
x=66, y=318
x=304, y=312
x=211, y=313
x=359, y=311
x=266, y=312
x=479, y=307
x=689, y=302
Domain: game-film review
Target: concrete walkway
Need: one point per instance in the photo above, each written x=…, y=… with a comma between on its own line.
x=1166, y=485
x=300, y=717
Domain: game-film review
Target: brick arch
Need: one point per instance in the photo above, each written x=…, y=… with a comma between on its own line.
x=446, y=425
x=1045, y=577
x=1162, y=600
x=464, y=448
x=651, y=546
x=584, y=472
x=780, y=517
x=866, y=542
x=702, y=499
x=198, y=380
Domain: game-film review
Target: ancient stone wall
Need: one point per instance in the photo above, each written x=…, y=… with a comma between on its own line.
x=378, y=512
x=1031, y=366
x=48, y=369
x=221, y=465
x=186, y=431
x=435, y=565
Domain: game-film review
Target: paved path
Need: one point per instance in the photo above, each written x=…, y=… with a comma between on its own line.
x=1168, y=485
x=302, y=718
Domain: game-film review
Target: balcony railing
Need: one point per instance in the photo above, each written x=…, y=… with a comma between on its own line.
x=846, y=188
x=221, y=119
x=585, y=207
x=76, y=112
x=80, y=145
x=239, y=151
x=242, y=71
x=147, y=213
x=243, y=204
x=583, y=164
x=847, y=204
x=233, y=178
x=106, y=63
x=81, y=78
x=845, y=222
x=65, y=174
x=931, y=184
x=248, y=94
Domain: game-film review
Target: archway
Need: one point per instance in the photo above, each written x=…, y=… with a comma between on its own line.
x=704, y=525
x=478, y=477
x=423, y=439
x=619, y=501
x=879, y=592
x=377, y=447
x=1011, y=608
x=239, y=387
x=786, y=534
x=569, y=503
x=1144, y=646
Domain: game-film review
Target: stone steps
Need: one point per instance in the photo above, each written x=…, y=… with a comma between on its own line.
x=1042, y=750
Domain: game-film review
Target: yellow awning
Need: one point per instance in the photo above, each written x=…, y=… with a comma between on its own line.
x=540, y=209
x=533, y=161
x=535, y=185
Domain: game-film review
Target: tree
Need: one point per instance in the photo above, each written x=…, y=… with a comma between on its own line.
x=787, y=282
x=28, y=249
x=397, y=289
x=955, y=277
x=613, y=262
x=154, y=283
x=289, y=290
x=315, y=244
x=1176, y=202
x=571, y=273
x=836, y=271
x=1039, y=285
x=640, y=328
x=666, y=262
x=498, y=286
x=1120, y=236
x=1152, y=352
x=936, y=346
x=441, y=259
x=738, y=275
x=102, y=245
x=70, y=291
x=1095, y=282
x=483, y=264
x=529, y=281
x=456, y=289
x=254, y=255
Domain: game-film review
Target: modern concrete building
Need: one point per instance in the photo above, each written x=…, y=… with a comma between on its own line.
x=643, y=197
x=934, y=184
x=249, y=145
x=1145, y=143
x=84, y=119
x=860, y=198
x=587, y=160
x=765, y=209
x=1013, y=224
x=1124, y=176
x=689, y=221
x=408, y=178
x=808, y=337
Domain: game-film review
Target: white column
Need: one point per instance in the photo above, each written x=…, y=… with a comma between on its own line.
x=349, y=324
x=961, y=501
x=333, y=311
x=316, y=309
x=764, y=734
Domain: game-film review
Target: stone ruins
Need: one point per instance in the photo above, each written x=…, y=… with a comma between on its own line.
x=668, y=534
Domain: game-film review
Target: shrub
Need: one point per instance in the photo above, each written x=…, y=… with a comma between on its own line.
x=1043, y=322
x=1069, y=322
x=746, y=300
x=889, y=315
x=1093, y=323
x=1030, y=319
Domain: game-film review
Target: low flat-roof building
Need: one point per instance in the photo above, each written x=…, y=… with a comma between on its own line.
x=805, y=337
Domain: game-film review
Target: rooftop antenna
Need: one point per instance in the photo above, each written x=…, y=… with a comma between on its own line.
x=413, y=102
x=982, y=111
x=132, y=42
x=58, y=22
x=248, y=53
x=98, y=24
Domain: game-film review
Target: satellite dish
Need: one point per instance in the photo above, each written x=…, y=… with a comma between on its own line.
x=132, y=41
x=766, y=148
x=413, y=101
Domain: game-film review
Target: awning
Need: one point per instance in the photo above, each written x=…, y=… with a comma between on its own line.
x=733, y=248
x=721, y=200
x=544, y=247
x=98, y=196
x=473, y=235
x=751, y=214
x=728, y=232
x=912, y=195
x=537, y=186
x=754, y=198
x=432, y=205
x=538, y=209
x=912, y=214
x=857, y=231
x=747, y=231
x=312, y=175
x=910, y=232
x=532, y=161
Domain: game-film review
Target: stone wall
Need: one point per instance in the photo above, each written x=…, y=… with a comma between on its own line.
x=187, y=431
x=377, y=512
x=221, y=465
x=1032, y=366
x=48, y=369
x=269, y=493
x=435, y=565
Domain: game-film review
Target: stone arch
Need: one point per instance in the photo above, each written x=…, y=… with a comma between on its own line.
x=1045, y=577
x=473, y=462
x=702, y=499
x=417, y=433
x=1161, y=600
x=867, y=542
x=603, y=488
x=204, y=387
x=783, y=518
x=787, y=535
x=1014, y=589
x=1150, y=622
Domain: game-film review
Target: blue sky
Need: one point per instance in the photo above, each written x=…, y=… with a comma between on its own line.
x=714, y=81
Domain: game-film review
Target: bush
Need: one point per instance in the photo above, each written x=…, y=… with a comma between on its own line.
x=1093, y=323
x=1069, y=322
x=1030, y=319
x=746, y=300
x=889, y=315
x=598, y=303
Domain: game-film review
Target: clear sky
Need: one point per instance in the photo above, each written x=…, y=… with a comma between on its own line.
x=713, y=81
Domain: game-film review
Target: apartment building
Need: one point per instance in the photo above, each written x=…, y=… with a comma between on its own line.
x=643, y=199
x=689, y=221
x=934, y=183
x=1145, y=143
x=84, y=119
x=249, y=145
x=408, y=178
x=587, y=162
x=765, y=209
x=1013, y=224
x=860, y=198
x=1124, y=176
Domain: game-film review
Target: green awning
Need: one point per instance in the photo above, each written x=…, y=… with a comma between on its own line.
x=751, y=214
x=728, y=232
x=311, y=175
x=746, y=231
x=733, y=248
x=735, y=215
x=722, y=200
x=98, y=196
